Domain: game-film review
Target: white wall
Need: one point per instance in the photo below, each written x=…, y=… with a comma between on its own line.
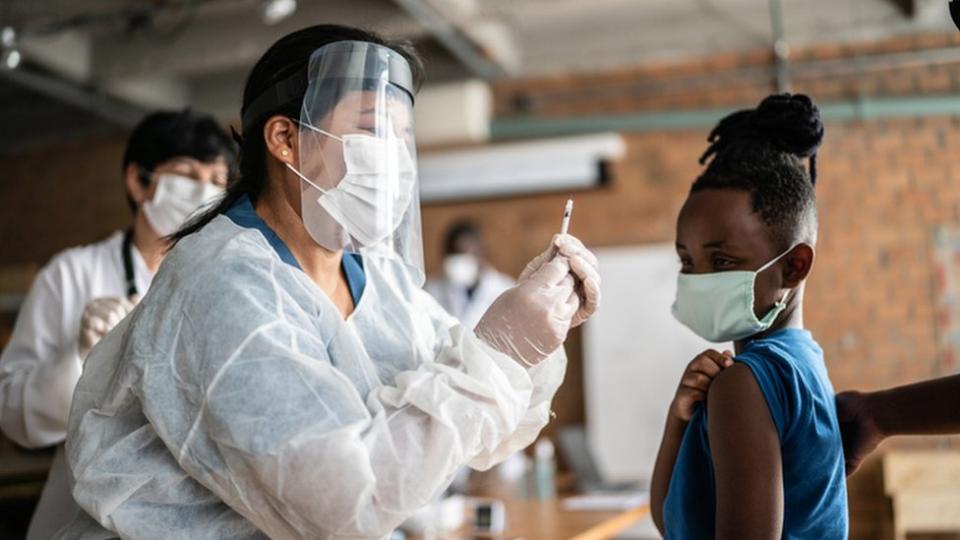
x=634, y=354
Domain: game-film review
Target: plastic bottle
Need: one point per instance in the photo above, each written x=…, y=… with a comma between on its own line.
x=545, y=470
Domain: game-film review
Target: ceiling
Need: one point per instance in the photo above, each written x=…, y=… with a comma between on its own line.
x=573, y=35
x=170, y=53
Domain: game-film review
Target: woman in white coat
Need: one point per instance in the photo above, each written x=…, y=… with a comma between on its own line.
x=174, y=163
x=294, y=380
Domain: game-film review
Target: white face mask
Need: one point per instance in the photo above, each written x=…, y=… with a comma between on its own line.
x=461, y=269
x=175, y=199
x=374, y=193
x=719, y=306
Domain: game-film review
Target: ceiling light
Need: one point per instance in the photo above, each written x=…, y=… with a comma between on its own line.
x=10, y=59
x=8, y=36
x=275, y=11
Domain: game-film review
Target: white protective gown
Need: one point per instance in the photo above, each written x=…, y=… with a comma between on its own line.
x=40, y=365
x=235, y=402
x=469, y=309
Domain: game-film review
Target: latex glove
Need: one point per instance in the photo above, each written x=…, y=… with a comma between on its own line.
x=531, y=320
x=99, y=317
x=583, y=264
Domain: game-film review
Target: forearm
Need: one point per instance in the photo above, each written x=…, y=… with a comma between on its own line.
x=663, y=470
x=546, y=378
x=924, y=408
x=36, y=399
x=39, y=366
x=387, y=453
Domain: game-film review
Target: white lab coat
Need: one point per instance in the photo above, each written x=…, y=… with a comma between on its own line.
x=470, y=309
x=235, y=402
x=40, y=365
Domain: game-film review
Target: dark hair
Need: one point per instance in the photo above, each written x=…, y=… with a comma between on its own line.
x=460, y=229
x=285, y=58
x=164, y=135
x=761, y=151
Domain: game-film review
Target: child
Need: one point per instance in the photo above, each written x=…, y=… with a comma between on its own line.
x=763, y=458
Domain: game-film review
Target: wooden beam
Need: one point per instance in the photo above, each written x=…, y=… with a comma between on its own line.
x=907, y=7
x=235, y=41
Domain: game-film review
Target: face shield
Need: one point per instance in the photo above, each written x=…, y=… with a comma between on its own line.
x=358, y=168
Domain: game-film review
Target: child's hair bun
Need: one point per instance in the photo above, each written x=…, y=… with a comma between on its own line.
x=792, y=122
x=789, y=122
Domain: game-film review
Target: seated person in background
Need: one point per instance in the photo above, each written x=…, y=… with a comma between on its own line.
x=763, y=459
x=469, y=283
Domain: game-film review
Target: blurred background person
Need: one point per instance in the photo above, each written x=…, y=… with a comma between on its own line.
x=175, y=163
x=469, y=283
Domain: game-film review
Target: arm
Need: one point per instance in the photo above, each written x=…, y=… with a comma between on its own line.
x=38, y=368
x=924, y=408
x=746, y=458
x=281, y=425
x=694, y=383
x=326, y=461
x=663, y=470
x=546, y=378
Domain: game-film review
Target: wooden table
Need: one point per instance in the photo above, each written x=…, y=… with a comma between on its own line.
x=548, y=520
x=924, y=487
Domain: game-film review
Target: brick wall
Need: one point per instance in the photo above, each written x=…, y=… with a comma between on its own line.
x=905, y=66
x=55, y=197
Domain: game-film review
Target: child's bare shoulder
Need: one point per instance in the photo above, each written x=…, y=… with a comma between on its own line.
x=733, y=391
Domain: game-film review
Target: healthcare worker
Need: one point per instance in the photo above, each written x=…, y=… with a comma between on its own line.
x=174, y=163
x=470, y=283
x=293, y=380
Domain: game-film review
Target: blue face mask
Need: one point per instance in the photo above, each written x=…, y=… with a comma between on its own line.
x=719, y=306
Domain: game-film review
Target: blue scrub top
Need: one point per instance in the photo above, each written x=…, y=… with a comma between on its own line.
x=243, y=214
x=789, y=368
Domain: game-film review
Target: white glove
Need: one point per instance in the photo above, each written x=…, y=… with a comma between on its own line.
x=531, y=320
x=99, y=317
x=584, y=266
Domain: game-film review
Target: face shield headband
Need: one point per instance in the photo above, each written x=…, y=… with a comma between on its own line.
x=293, y=88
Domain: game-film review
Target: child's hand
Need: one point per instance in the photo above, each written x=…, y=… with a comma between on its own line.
x=696, y=381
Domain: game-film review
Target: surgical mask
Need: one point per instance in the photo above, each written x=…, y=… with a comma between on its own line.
x=461, y=269
x=177, y=198
x=374, y=193
x=719, y=306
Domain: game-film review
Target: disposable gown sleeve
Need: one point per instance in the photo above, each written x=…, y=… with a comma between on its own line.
x=282, y=436
x=545, y=377
x=39, y=366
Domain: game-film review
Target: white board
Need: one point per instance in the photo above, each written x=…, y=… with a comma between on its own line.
x=634, y=354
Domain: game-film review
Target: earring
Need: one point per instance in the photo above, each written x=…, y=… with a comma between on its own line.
x=285, y=153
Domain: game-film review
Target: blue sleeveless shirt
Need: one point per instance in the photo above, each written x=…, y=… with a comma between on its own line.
x=788, y=366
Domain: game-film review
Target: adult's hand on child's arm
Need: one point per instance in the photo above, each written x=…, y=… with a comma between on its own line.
x=747, y=464
x=858, y=429
x=694, y=383
x=923, y=408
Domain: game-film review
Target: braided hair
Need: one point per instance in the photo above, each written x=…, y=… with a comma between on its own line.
x=761, y=151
